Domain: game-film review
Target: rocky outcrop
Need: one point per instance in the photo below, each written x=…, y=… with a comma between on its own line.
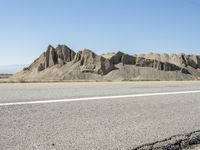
x=64, y=53
x=77, y=57
x=90, y=62
x=164, y=66
x=59, y=55
x=50, y=57
x=53, y=56
x=182, y=60
x=128, y=59
x=41, y=67
x=198, y=61
x=193, y=61
x=178, y=59
x=123, y=58
x=63, y=63
x=117, y=58
x=186, y=60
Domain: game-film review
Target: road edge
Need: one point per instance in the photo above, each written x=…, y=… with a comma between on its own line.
x=176, y=142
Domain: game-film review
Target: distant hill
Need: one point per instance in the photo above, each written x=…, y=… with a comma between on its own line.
x=11, y=69
x=3, y=76
x=62, y=63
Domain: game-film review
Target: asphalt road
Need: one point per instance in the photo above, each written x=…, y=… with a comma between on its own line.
x=105, y=123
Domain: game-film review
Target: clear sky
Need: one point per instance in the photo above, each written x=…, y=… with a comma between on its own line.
x=132, y=26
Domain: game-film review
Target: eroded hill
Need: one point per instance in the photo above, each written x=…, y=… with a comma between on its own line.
x=62, y=63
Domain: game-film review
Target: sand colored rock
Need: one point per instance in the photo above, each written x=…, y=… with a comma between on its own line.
x=159, y=65
x=62, y=63
x=90, y=62
x=116, y=58
x=193, y=61
x=77, y=57
x=128, y=59
x=64, y=53
x=182, y=60
x=53, y=56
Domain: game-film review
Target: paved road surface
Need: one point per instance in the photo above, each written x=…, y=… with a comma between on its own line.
x=105, y=123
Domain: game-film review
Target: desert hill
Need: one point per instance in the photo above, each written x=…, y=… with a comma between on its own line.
x=62, y=63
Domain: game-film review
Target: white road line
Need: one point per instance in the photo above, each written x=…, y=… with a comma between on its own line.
x=98, y=98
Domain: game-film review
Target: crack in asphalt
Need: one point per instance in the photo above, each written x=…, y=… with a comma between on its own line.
x=176, y=142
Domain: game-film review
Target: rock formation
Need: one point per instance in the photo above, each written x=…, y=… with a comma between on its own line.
x=63, y=63
x=159, y=65
x=90, y=62
x=59, y=55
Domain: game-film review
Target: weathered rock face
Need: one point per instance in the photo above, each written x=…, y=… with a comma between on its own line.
x=59, y=55
x=198, y=60
x=186, y=60
x=77, y=57
x=128, y=59
x=120, y=57
x=165, y=66
x=64, y=53
x=63, y=63
x=180, y=59
x=90, y=62
x=41, y=67
x=177, y=59
x=50, y=56
x=117, y=58
x=193, y=61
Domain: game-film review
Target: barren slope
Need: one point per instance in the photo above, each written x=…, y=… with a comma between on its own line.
x=62, y=63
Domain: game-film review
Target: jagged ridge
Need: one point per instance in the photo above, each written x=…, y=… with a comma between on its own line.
x=62, y=63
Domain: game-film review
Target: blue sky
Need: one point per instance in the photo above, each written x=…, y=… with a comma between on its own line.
x=132, y=26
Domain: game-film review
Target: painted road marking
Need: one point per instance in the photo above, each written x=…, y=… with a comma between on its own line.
x=98, y=98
